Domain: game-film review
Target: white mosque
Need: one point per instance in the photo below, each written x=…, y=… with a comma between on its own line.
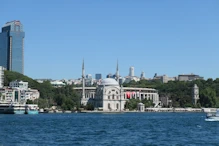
x=110, y=96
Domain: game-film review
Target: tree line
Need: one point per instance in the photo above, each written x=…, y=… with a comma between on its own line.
x=180, y=92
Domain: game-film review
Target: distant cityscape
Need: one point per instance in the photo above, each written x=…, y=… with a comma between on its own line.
x=90, y=81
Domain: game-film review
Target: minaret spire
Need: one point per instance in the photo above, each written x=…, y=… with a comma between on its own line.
x=83, y=83
x=117, y=71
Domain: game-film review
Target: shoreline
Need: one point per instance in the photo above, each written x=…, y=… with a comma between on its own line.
x=147, y=110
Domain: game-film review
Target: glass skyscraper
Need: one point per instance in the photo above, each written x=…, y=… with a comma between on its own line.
x=12, y=46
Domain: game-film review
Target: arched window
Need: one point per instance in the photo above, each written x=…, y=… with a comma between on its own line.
x=108, y=97
x=113, y=96
x=117, y=106
x=117, y=97
x=109, y=106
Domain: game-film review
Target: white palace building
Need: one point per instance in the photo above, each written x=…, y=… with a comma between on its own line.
x=110, y=96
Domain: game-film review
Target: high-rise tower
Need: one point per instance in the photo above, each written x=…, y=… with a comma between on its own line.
x=12, y=46
x=131, y=71
x=142, y=75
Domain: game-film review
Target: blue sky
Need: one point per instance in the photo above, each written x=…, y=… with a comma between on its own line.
x=164, y=37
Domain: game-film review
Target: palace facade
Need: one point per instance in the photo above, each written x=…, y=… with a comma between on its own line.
x=110, y=96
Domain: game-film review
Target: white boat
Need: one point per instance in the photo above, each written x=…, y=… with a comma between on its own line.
x=11, y=108
x=213, y=116
x=31, y=109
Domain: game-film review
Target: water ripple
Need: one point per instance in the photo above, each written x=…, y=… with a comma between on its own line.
x=108, y=129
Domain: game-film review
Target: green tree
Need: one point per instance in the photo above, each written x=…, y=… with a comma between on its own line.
x=208, y=98
x=147, y=103
x=89, y=106
x=29, y=101
x=131, y=104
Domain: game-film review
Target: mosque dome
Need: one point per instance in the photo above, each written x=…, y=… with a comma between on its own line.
x=109, y=82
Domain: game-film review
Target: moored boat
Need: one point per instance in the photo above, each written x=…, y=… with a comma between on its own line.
x=31, y=109
x=11, y=108
x=213, y=116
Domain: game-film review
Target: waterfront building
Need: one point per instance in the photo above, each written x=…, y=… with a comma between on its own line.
x=2, y=76
x=98, y=76
x=12, y=46
x=189, y=77
x=10, y=95
x=31, y=94
x=18, y=95
x=110, y=96
x=19, y=92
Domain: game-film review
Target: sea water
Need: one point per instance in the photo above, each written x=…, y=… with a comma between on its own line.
x=108, y=129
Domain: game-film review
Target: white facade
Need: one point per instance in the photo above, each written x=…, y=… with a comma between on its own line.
x=18, y=95
x=31, y=94
x=57, y=83
x=19, y=84
x=10, y=95
x=131, y=71
x=141, y=107
x=109, y=96
x=131, y=78
x=1, y=76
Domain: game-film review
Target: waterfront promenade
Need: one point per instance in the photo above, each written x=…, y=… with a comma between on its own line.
x=206, y=110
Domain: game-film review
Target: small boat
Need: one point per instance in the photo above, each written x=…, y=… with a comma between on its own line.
x=31, y=109
x=212, y=116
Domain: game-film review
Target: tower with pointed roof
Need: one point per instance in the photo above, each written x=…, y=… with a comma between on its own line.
x=83, y=85
x=117, y=72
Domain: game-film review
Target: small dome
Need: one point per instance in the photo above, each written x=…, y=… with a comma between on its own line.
x=109, y=82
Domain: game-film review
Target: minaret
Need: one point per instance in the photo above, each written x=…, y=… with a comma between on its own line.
x=117, y=72
x=83, y=83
